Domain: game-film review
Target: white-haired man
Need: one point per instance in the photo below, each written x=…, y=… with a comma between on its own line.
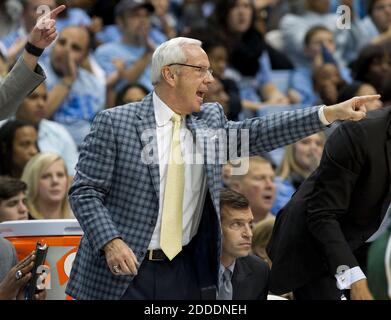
x=150, y=218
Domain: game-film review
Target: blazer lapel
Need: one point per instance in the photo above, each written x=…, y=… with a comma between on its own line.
x=146, y=129
x=239, y=284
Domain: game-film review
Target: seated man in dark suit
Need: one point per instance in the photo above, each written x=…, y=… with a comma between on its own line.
x=321, y=237
x=241, y=276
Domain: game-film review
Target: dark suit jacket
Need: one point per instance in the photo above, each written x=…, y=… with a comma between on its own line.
x=16, y=86
x=327, y=221
x=250, y=279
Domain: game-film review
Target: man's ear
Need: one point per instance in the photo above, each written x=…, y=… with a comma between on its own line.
x=169, y=76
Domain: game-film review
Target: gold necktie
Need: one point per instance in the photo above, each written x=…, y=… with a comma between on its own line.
x=171, y=229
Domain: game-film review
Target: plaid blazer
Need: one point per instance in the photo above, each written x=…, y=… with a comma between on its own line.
x=116, y=194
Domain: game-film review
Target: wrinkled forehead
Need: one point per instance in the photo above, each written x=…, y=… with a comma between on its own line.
x=229, y=214
x=195, y=54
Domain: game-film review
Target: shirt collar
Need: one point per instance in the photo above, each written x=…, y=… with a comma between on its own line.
x=231, y=268
x=163, y=113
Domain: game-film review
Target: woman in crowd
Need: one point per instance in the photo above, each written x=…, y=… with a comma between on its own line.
x=18, y=144
x=251, y=59
x=48, y=181
x=300, y=160
x=373, y=66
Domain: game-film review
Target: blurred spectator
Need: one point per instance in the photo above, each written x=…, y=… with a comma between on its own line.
x=48, y=182
x=15, y=41
x=12, y=286
x=18, y=144
x=217, y=53
x=162, y=19
x=52, y=136
x=216, y=93
x=360, y=89
x=249, y=58
x=262, y=232
x=74, y=94
x=242, y=276
x=12, y=200
x=319, y=49
x=127, y=60
x=300, y=160
x=131, y=93
x=294, y=27
x=257, y=185
x=373, y=66
x=10, y=16
x=376, y=26
x=327, y=82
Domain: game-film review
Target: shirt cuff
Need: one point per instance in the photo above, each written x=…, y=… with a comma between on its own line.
x=322, y=117
x=348, y=277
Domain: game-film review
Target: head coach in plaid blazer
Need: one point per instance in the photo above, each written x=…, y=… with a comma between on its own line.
x=118, y=190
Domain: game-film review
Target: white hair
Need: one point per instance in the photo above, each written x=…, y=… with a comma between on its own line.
x=169, y=52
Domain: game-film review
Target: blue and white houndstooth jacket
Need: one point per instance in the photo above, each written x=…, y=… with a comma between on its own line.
x=116, y=194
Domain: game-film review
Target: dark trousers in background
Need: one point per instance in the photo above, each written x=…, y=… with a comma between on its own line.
x=166, y=280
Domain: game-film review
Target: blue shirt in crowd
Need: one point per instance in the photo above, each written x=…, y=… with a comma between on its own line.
x=87, y=97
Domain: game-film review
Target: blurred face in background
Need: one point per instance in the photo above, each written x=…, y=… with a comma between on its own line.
x=53, y=183
x=160, y=6
x=240, y=16
x=218, y=57
x=14, y=208
x=135, y=24
x=133, y=94
x=381, y=14
x=24, y=146
x=33, y=108
x=258, y=186
x=72, y=44
x=216, y=93
x=308, y=151
x=319, y=38
x=367, y=89
x=379, y=69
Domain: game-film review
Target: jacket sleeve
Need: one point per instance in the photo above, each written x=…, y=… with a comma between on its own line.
x=92, y=183
x=273, y=131
x=16, y=86
x=342, y=161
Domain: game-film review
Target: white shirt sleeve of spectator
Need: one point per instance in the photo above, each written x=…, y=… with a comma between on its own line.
x=350, y=276
x=322, y=117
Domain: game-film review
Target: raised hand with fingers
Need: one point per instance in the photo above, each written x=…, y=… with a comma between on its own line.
x=352, y=109
x=44, y=31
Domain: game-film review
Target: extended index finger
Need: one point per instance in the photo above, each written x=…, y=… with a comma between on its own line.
x=368, y=98
x=53, y=14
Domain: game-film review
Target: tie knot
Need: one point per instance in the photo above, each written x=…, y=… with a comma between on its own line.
x=176, y=118
x=227, y=274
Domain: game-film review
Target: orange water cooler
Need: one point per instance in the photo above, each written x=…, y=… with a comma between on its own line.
x=62, y=237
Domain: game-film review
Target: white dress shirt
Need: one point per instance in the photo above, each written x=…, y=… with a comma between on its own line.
x=195, y=179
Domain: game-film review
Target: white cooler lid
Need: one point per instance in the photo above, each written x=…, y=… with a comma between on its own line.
x=31, y=228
